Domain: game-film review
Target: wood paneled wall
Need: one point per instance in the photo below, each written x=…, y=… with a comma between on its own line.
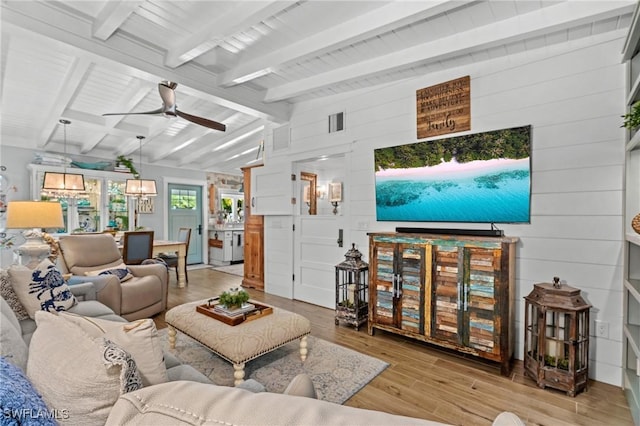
x=573, y=98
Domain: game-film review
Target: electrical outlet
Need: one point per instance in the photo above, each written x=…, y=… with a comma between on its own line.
x=601, y=329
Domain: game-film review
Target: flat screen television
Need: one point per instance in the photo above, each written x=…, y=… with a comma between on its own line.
x=480, y=178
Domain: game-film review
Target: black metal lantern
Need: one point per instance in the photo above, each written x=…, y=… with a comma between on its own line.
x=352, y=278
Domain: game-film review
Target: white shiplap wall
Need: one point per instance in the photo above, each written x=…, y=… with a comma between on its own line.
x=573, y=96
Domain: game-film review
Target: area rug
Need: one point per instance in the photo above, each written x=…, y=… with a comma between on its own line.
x=337, y=372
x=235, y=269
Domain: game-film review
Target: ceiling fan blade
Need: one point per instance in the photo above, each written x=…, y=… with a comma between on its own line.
x=202, y=121
x=170, y=84
x=167, y=94
x=155, y=111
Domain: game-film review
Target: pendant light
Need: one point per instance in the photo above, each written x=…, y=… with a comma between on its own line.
x=63, y=185
x=141, y=188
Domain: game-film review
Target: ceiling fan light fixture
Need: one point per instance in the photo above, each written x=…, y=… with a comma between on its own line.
x=170, y=109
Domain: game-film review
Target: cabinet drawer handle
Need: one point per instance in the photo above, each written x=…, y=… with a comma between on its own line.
x=466, y=298
x=459, y=298
x=393, y=292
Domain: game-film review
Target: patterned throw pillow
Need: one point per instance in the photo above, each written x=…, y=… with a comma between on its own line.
x=10, y=296
x=41, y=289
x=140, y=338
x=114, y=356
x=121, y=271
x=20, y=401
x=76, y=372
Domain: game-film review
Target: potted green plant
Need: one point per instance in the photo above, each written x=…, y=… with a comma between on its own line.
x=234, y=298
x=128, y=163
x=632, y=118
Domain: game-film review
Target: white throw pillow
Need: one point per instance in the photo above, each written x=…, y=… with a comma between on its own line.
x=77, y=374
x=42, y=288
x=139, y=338
x=121, y=271
x=12, y=346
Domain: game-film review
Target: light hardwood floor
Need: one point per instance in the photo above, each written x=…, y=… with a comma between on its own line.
x=430, y=383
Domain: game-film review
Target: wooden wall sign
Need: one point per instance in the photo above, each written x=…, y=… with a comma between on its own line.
x=444, y=108
x=146, y=206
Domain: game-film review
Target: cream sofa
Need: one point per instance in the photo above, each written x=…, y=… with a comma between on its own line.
x=189, y=398
x=142, y=296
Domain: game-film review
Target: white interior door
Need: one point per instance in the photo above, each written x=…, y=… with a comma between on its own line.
x=271, y=188
x=316, y=253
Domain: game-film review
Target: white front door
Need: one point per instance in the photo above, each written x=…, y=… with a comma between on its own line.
x=316, y=253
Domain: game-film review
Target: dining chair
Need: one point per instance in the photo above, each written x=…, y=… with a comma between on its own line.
x=137, y=246
x=171, y=259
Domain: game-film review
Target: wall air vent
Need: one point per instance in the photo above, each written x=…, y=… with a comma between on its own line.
x=336, y=122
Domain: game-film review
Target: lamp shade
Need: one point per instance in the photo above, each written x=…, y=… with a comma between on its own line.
x=335, y=192
x=34, y=214
x=63, y=181
x=140, y=187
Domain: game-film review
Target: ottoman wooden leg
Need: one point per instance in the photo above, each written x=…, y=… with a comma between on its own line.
x=303, y=348
x=238, y=373
x=171, y=333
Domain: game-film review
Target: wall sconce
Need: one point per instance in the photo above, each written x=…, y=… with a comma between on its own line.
x=306, y=194
x=335, y=195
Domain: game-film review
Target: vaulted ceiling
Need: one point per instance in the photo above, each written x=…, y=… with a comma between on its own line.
x=241, y=63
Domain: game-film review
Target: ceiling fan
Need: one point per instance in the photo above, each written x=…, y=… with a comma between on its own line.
x=169, y=107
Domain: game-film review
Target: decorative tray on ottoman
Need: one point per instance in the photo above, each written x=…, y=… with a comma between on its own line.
x=254, y=311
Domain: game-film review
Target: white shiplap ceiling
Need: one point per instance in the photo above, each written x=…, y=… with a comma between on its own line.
x=242, y=63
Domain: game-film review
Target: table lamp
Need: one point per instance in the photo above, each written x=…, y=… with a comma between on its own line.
x=33, y=216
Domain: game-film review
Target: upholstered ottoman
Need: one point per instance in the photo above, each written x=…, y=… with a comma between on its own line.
x=240, y=343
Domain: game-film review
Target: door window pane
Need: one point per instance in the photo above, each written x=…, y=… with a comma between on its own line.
x=183, y=199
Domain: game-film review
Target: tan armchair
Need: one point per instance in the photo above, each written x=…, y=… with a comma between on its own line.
x=142, y=296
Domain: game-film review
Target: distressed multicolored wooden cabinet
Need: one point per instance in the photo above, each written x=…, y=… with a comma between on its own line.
x=450, y=291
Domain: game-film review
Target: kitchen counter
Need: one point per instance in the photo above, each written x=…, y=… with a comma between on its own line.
x=228, y=227
x=226, y=244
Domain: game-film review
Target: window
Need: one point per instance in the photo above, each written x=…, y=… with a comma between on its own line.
x=231, y=203
x=183, y=199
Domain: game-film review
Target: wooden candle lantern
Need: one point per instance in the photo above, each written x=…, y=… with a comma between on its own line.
x=556, y=351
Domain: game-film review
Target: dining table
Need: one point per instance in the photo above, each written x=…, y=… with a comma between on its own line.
x=178, y=247
x=169, y=246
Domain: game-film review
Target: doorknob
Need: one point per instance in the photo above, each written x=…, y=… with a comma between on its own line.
x=200, y=229
x=339, y=237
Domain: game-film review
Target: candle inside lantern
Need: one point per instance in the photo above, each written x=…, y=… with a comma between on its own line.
x=351, y=293
x=553, y=348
